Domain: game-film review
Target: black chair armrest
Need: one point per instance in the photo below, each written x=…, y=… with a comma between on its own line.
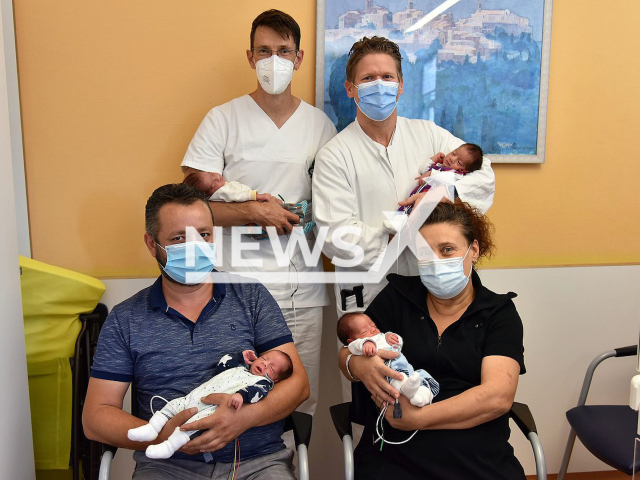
x=109, y=448
x=301, y=424
x=341, y=416
x=626, y=351
x=523, y=418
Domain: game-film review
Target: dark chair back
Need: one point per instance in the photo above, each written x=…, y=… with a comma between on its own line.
x=83, y=451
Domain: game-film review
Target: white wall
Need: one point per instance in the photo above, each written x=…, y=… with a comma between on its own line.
x=16, y=448
x=570, y=315
x=14, y=128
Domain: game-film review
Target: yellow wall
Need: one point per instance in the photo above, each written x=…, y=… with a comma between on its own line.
x=574, y=209
x=112, y=93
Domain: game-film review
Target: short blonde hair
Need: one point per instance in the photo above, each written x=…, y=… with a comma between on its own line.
x=367, y=46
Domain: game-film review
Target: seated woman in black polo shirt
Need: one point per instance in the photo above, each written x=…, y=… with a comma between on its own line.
x=468, y=338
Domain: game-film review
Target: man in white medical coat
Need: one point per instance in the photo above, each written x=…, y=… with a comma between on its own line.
x=268, y=140
x=371, y=166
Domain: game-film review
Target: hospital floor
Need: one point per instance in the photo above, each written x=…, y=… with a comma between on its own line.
x=67, y=475
x=612, y=475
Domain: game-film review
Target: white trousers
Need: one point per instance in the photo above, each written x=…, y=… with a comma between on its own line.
x=306, y=328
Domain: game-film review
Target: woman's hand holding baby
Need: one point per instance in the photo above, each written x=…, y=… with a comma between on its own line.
x=372, y=372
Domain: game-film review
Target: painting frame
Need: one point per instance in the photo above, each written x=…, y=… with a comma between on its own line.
x=545, y=51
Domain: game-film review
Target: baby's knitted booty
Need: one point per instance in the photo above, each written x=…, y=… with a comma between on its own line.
x=148, y=432
x=167, y=448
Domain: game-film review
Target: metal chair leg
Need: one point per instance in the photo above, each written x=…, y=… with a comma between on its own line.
x=538, y=453
x=105, y=465
x=303, y=461
x=347, y=445
x=567, y=455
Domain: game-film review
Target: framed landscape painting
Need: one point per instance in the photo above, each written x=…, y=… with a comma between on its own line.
x=480, y=68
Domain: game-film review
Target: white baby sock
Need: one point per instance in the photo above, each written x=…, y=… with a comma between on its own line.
x=167, y=448
x=410, y=387
x=422, y=397
x=148, y=432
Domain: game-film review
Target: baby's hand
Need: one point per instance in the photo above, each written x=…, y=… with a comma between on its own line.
x=392, y=338
x=438, y=157
x=236, y=400
x=249, y=356
x=263, y=197
x=369, y=349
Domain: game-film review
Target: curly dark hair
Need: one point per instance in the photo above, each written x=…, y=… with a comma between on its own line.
x=473, y=224
x=367, y=46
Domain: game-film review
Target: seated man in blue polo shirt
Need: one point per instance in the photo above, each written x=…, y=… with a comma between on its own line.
x=168, y=338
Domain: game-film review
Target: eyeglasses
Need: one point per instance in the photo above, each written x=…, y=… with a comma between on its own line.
x=261, y=53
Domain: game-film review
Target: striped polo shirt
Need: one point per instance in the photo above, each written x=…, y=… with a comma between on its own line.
x=164, y=353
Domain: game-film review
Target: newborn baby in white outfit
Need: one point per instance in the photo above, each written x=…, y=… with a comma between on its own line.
x=218, y=189
x=245, y=376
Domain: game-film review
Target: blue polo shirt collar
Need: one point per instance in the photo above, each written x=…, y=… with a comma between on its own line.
x=157, y=300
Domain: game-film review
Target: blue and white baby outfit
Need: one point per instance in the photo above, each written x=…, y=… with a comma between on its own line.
x=428, y=387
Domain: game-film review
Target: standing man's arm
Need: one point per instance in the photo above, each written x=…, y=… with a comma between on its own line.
x=206, y=153
x=335, y=206
x=264, y=214
x=104, y=420
x=227, y=422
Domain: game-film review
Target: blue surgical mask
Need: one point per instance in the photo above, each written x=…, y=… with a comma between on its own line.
x=444, y=277
x=201, y=257
x=378, y=99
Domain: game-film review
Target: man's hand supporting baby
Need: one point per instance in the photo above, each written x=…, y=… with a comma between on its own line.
x=222, y=427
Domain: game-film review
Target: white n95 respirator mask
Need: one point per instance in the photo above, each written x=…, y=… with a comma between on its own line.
x=274, y=74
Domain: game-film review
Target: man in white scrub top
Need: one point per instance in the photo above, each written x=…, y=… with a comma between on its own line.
x=268, y=140
x=372, y=165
